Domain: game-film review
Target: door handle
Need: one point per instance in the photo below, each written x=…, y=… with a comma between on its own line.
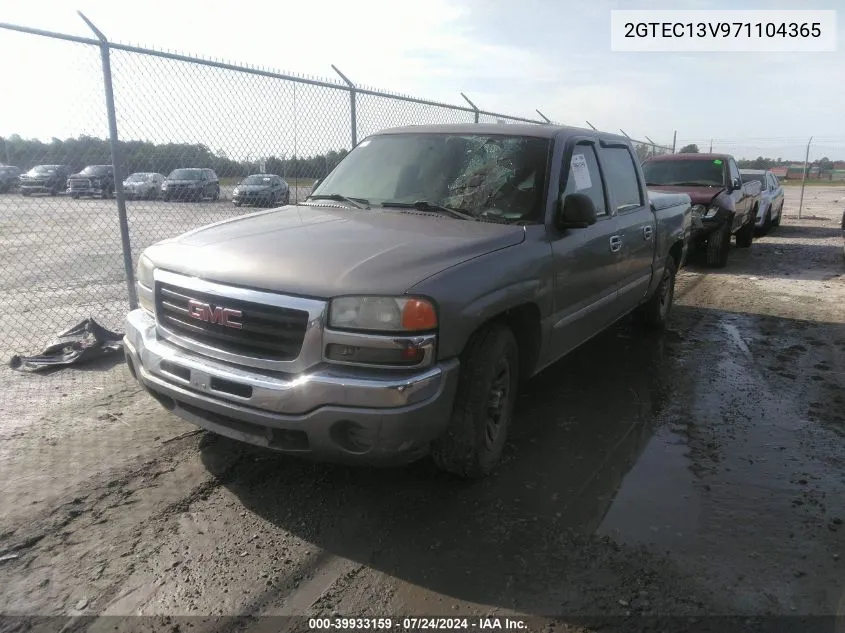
x=615, y=244
x=647, y=232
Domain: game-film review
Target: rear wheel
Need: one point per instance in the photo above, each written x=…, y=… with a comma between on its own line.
x=655, y=312
x=216, y=195
x=718, y=246
x=25, y=193
x=472, y=444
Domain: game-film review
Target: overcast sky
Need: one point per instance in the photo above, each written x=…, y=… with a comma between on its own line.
x=507, y=56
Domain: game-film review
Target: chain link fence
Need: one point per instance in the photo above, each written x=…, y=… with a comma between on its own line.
x=65, y=256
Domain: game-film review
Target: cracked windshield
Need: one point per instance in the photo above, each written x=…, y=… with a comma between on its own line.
x=484, y=176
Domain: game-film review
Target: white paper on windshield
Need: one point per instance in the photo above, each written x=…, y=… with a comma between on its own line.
x=580, y=172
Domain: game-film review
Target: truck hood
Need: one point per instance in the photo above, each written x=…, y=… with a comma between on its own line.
x=698, y=195
x=324, y=251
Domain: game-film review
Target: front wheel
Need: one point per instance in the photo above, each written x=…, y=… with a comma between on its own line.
x=655, y=312
x=776, y=220
x=745, y=236
x=718, y=246
x=473, y=443
x=216, y=195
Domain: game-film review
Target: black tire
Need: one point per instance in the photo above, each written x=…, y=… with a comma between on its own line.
x=767, y=223
x=745, y=236
x=216, y=195
x=75, y=196
x=718, y=247
x=656, y=311
x=108, y=193
x=236, y=203
x=287, y=197
x=25, y=194
x=54, y=191
x=486, y=393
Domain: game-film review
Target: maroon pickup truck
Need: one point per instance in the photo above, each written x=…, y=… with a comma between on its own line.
x=723, y=205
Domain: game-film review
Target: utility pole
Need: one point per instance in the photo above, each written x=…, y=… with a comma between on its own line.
x=711, y=145
x=674, y=140
x=804, y=178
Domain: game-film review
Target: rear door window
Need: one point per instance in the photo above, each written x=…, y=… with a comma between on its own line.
x=622, y=182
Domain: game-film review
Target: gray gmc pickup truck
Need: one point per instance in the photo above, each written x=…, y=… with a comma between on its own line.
x=395, y=311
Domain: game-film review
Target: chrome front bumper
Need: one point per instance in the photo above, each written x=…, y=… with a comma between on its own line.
x=348, y=414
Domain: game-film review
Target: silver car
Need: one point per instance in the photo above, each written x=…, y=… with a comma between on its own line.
x=771, y=198
x=143, y=185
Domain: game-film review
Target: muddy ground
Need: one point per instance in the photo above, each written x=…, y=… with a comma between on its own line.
x=696, y=473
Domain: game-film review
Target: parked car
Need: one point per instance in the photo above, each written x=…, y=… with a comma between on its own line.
x=192, y=183
x=397, y=310
x=722, y=204
x=10, y=178
x=264, y=189
x=771, y=198
x=50, y=179
x=94, y=180
x=143, y=185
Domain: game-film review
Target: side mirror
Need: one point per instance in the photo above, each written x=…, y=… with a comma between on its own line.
x=736, y=184
x=575, y=211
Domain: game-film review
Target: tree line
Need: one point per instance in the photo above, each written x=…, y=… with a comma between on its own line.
x=824, y=164
x=144, y=156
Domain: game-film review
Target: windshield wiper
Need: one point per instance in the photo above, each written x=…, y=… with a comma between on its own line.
x=358, y=203
x=425, y=205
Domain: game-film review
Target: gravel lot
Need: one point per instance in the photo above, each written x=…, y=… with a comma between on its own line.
x=700, y=472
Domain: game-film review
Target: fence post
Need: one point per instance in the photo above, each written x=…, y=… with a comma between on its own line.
x=804, y=178
x=545, y=118
x=353, y=106
x=674, y=140
x=472, y=105
x=117, y=163
x=653, y=148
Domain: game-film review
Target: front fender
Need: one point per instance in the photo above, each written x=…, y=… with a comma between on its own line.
x=475, y=291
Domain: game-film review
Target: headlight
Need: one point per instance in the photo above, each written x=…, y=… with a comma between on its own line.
x=235, y=191
x=383, y=314
x=711, y=212
x=145, y=283
x=699, y=209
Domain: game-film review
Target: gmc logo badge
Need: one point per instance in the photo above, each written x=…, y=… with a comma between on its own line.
x=214, y=314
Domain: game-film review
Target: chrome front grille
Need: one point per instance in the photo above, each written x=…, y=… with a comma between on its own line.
x=266, y=331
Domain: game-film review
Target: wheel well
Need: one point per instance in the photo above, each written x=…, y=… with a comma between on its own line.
x=524, y=321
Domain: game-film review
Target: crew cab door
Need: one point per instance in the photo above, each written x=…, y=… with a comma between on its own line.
x=586, y=274
x=636, y=226
x=742, y=201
